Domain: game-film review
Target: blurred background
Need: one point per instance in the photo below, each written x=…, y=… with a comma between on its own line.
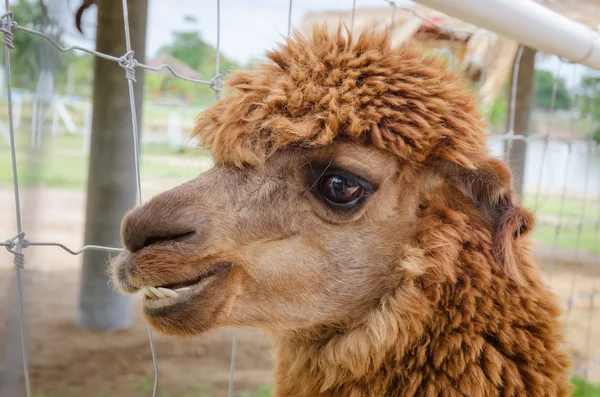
x=73, y=132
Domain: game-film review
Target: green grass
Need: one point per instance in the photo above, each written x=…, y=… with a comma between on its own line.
x=63, y=164
x=70, y=172
x=585, y=389
x=145, y=386
x=567, y=237
x=152, y=113
x=582, y=389
x=572, y=210
x=572, y=207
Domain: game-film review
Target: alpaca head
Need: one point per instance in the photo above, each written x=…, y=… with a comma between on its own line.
x=324, y=159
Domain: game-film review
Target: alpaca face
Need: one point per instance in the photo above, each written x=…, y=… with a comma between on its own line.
x=311, y=238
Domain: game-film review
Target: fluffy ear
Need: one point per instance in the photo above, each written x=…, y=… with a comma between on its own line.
x=511, y=225
x=489, y=188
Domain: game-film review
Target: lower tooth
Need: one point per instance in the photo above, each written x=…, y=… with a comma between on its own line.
x=183, y=289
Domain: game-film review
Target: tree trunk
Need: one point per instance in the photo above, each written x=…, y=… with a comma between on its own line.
x=523, y=106
x=111, y=178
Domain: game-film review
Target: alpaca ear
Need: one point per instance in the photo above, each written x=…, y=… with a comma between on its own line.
x=489, y=188
x=511, y=225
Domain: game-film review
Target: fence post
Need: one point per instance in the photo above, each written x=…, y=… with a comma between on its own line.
x=87, y=127
x=523, y=105
x=111, y=182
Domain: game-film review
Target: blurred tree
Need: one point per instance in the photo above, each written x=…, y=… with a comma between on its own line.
x=111, y=178
x=32, y=53
x=543, y=88
x=543, y=85
x=191, y=49
x=590, y=101
x=590, y=89
x=154, y=85
x=495, y=113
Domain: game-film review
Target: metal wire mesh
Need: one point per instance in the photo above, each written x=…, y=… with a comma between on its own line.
x=17, y=244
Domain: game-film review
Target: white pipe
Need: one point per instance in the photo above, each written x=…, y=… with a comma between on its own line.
x=528, y=23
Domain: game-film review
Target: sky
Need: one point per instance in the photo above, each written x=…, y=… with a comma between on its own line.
x=248, y=27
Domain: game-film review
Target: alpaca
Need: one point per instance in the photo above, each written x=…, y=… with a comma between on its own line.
x=355, y=215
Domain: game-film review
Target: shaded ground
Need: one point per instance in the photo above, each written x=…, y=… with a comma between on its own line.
x=68, y=361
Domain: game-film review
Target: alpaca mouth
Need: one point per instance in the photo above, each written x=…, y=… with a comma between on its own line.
x=169, y=294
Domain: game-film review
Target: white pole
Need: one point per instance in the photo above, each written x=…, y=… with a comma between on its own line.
x=40, y=125
x=70, y=80
x=174, y=131
x=528, y=23
x=34, y=115
x=54, y=117
x=17, y=103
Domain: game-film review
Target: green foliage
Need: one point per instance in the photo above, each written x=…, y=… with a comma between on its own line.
x=145, y=384
x=590, y=103
x=25, y=57
x=32, y=52
x=191, y=49
x=263, y=391
x=596, y=136
x=543, y=88
x=584, y=389
x=497, y=111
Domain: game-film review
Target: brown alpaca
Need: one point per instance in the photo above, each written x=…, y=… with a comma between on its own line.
x=354, y=214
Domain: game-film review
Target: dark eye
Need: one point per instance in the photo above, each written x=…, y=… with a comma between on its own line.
x=341, y=189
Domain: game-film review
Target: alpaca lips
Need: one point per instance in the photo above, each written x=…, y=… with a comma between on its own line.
x=173, y=291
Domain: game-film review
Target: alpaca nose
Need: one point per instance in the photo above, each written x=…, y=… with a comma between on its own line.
x=152, y=224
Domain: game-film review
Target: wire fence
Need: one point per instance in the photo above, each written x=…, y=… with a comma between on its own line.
x=584, y=224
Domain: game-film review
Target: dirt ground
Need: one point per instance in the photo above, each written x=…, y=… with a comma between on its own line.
x=66, y=361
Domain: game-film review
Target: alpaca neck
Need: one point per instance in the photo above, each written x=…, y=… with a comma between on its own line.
x=466, y=336
x=330, y=362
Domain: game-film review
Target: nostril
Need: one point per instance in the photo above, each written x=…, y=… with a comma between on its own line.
x=159, y=238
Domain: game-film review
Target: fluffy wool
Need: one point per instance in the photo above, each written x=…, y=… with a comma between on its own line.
x=476, y=330
x=332, y=88
x=428, y=289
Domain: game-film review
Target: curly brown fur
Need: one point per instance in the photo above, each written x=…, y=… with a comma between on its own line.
x=333, y=87
x=426, y=288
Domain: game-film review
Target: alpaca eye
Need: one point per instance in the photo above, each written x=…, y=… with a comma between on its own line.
x=341, y=190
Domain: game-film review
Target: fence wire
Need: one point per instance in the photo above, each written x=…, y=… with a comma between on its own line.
x=18, y=243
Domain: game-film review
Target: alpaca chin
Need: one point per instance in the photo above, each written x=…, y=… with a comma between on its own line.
x=196, y=310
